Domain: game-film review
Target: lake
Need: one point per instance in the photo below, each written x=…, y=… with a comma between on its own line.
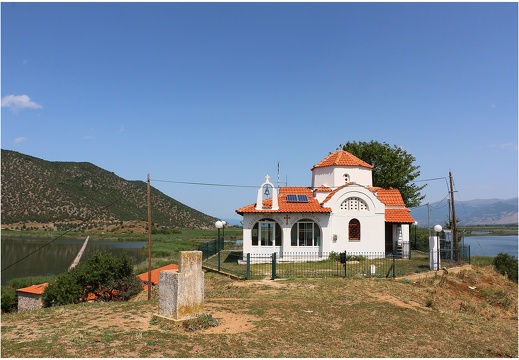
x=56, y=257
x=492, y=245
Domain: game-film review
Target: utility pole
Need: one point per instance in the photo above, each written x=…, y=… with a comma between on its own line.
x=454, y=236
x=149, y=239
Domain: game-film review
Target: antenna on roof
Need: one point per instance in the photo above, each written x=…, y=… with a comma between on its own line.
x=278, y=174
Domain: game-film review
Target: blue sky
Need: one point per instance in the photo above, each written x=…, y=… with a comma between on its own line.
x=220, y=92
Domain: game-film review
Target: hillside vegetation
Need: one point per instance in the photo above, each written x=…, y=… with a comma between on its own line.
x=58, y=193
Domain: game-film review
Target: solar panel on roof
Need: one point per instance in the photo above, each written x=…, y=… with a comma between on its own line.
x=302, y=198
x=291, y=198
x=297, y=198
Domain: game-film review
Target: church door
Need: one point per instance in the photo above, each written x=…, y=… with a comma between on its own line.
x=389, y=238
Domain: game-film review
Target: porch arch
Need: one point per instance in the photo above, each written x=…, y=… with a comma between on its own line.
x=266, y=233
x=305, y=233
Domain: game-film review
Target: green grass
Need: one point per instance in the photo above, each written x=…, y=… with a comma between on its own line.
x=419, y=262
x=489, y=229
x=481, y=260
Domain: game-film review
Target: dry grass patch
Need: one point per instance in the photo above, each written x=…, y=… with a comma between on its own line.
x=470, y=313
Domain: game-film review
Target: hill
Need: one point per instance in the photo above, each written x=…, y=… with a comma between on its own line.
x=472, y=212
x=54, y=193
x=471, y=313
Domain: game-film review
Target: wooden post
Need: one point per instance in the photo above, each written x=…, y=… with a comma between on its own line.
x=149, y=239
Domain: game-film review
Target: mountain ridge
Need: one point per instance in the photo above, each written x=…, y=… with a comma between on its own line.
x=41, y=191
x=492, y=211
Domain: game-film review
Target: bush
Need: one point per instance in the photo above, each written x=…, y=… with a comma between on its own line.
x=8, y=299
x=334, y=256
x=506, y=264
x=105, y=275
x=202, y=321
x=65, y=290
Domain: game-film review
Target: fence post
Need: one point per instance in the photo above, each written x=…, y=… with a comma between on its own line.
x=394, y=266
x=273, y=266
x=345, y=263
x=218, y=249
x=247, y=276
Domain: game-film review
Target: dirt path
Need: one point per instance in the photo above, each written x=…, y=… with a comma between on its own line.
x=433, y=273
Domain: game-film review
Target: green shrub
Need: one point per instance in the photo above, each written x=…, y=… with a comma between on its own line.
x=65, y=290
x=18, y=283
x=355, y=258
x=506, y=264
x=8, y=299
x=107, y=276
x=334, y=256
x=202, y=321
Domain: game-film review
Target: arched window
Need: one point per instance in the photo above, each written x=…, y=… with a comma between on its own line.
x=354, y=230
x=354, y=204
x=305, y=233
x=266, y=232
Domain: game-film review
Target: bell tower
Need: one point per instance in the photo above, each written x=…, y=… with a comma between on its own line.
x=266, y=189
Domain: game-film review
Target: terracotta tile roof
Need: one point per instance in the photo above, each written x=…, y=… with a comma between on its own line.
x=312, y=206
x=335, y=191
x=34, y=289
x=323, y=188
x=390, y=197
x=342, y=158
x=155, y=274
x=398, y=216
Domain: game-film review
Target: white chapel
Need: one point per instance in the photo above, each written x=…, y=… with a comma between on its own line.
x=341, y=211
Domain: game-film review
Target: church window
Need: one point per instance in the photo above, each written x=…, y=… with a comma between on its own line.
x=346, y=178
x=354, y=230
x=354, y=204
x=305, y=233
x=266, y=232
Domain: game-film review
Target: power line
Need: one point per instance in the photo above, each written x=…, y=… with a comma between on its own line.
x=204, y=184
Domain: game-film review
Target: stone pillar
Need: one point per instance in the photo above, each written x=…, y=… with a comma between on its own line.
x=181, y=293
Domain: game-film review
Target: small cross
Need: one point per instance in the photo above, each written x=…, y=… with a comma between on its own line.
x=267, y=178
x=286, y=218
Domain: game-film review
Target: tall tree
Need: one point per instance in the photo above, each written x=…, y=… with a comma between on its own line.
x=392, y=168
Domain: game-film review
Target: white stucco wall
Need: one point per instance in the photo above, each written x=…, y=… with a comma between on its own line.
x=334, y=176
x=249, y=220
x=372, y=222
x=334, y=226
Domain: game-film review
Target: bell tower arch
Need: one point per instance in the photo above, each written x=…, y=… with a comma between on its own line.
x=267, y=188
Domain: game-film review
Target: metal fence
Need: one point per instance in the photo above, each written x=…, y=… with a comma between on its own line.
x=449, y=257
x=323, y=264
x=228, y=262
x=211, y=248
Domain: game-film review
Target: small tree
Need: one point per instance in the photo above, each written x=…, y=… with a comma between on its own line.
x=107, y=276
x=392, y=167
x=506, y=264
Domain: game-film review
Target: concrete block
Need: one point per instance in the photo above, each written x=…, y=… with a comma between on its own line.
x=181, y=293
